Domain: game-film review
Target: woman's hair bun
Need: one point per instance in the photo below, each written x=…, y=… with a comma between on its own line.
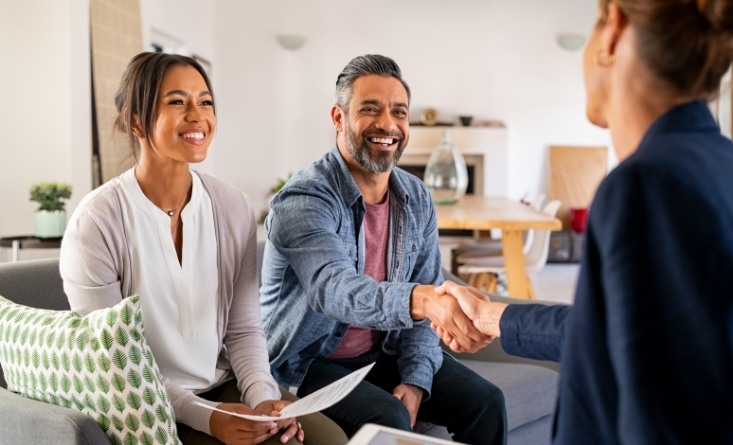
x=719, y=13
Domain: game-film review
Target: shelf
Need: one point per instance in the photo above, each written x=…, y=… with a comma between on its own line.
x=467, y=139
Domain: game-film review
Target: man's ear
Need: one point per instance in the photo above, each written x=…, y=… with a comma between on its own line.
x=615, y=25
x=337, y=117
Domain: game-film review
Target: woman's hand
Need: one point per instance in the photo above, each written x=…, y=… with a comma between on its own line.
x=232, y=429
x=291, y=425
x=485, y=314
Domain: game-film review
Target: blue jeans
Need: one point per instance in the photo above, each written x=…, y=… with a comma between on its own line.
x=470, y=407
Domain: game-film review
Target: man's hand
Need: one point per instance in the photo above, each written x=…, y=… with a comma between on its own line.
x=410, y=396
x=486, y=315
x=232, y=429
x=443, y=309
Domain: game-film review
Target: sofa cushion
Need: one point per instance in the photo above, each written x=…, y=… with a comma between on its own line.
x=34, y=283
x=530, y=392
x=99, y=364
x=61, y=426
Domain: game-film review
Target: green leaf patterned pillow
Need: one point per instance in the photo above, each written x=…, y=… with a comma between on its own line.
x=99, y=364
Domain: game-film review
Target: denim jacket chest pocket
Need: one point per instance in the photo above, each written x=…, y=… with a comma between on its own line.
x=351, y=250
x=411, y=253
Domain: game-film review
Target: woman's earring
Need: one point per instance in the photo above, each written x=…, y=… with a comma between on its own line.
x=604, y=59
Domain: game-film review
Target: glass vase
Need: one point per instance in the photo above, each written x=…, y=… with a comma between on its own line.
x=446, y=175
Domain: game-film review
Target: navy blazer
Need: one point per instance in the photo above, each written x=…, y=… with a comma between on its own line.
x=648, y=346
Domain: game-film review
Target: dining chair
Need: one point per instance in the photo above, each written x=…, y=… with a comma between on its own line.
x=486, y=247
x=487, y=272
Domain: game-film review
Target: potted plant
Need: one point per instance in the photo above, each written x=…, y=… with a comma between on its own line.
x=271, y=192
x=50, y=218
x=279, y=185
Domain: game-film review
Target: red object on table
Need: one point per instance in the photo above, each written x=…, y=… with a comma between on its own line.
x=578, y=219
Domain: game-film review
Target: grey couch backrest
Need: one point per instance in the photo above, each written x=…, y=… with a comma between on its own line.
x=34, y=283
x=37, y=283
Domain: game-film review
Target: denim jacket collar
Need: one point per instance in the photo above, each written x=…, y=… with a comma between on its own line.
x=351, y=192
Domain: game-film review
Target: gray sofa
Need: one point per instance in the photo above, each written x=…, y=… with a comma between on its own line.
x=529, y=386
x=37, y=283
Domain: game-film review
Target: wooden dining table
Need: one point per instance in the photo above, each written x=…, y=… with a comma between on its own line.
x=512, y=218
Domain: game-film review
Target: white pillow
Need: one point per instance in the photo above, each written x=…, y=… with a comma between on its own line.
x=99, y=364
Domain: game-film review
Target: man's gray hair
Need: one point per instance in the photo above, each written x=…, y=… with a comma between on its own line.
x=363, y=66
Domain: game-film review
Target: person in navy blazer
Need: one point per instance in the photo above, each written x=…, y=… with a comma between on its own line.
x=646, y=350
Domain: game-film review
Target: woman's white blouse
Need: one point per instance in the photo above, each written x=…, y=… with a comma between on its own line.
x=179, y=301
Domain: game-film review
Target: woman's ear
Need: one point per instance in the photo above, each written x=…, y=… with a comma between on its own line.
x=136, y=126
x=615, y=24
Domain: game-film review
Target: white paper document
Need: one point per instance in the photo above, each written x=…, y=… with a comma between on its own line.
x=319, y=400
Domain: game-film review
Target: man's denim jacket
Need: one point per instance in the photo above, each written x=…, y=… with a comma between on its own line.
x=313, y=282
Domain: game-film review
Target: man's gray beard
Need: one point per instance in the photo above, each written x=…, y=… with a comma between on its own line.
x=383, y=163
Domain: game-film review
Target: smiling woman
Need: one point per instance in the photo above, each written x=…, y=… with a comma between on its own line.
x=157, y=231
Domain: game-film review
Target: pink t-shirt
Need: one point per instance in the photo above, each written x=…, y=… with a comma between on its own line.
x=359, y=340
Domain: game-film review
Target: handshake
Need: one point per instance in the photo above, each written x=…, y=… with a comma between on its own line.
x=462, y=316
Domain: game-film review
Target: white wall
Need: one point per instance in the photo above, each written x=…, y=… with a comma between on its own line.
x=189, y=21
x=491, y=58
x=44, y=104
x=494, y=59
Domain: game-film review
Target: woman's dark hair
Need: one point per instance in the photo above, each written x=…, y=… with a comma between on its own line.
x=363, y=66
x=137, y=95
x=687, y=44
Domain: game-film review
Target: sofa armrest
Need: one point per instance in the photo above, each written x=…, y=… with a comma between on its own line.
x=494, y=352
x=30, y=421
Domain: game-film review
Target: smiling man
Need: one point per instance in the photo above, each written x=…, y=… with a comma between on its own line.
x=349, y=276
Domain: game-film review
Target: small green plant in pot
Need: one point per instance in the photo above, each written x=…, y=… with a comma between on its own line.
x=279, y=185
x=50, y=218
x=271, y=192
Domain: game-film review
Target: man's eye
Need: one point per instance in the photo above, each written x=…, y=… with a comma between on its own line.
x=207, y=103
x=400, y=113
x=369, y=110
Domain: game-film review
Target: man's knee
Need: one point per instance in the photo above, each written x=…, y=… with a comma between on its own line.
x=487, y=413
x=493, y=392
x=490, y=397
x=392, y=413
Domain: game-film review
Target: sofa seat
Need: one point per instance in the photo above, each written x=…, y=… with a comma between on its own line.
x=530, y=394
x=529, y=386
